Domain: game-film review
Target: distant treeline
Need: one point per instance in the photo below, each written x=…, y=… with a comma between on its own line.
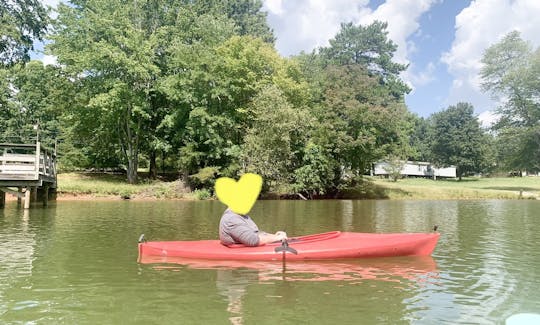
x=197, y=87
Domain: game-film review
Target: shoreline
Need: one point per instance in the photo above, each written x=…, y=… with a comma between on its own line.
x=77, y=187
x=66, y=197
x=98, y=197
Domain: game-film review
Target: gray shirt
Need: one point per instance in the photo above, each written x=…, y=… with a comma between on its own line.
x=238, y=229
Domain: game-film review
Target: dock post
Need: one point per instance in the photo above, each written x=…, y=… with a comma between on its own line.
x=45, y=195
x=19, y=197
x=34, y=194
x=2, y=199
x=27, y=198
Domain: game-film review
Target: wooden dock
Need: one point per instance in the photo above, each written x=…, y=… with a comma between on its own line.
x=27, y=171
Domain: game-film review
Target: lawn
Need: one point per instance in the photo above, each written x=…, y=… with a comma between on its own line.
x=115, y=185
x=112, y=185
x=467, y=188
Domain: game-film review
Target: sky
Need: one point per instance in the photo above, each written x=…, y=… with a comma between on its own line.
x=442, y=41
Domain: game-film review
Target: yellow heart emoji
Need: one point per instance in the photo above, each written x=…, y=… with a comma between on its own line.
x=239, y=196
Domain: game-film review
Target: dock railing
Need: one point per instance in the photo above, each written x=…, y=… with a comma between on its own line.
x=27, y=162
x=26, y=166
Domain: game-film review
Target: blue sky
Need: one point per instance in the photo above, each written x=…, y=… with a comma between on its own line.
x=441, y=40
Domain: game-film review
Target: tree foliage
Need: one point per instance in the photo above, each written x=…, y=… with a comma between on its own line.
x=23, y=21
x=458, y=140
x=369, y=47
x=147, y=65
x=200, y=85
x=35, y=96
x=420, y=139
x=360, y=118
x=510, y=73
x=277, y=134
x=316, y=171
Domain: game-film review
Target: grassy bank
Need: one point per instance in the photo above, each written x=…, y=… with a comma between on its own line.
x=114, y=185
x=468, y=188
x=80, y=185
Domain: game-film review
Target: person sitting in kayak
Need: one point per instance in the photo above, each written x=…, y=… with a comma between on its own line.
x=241, y=229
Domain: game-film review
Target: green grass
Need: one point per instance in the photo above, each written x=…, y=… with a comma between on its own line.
x=113, y=185
x=468, y=188
x=106, y=185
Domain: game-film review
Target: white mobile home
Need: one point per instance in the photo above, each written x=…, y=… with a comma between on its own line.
x=416, y=169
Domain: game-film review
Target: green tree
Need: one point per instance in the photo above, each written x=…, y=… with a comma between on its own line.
x=420, y=139
x=369, y=47
x=247, y=15
x=357, y=99
x=221, y=113
x=9, y=117
x=459, y=140
x=316, y=173
x=137, y=59
x=394, y=166
x=277, y=134
x=38, y=95
x=104, y=44
x=364, y=122
x=510, y=74
x=23, y=21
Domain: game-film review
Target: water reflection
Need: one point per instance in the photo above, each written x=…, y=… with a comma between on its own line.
x=384, y=269
x=17, y=250
x=233, y=278
x=232, y=284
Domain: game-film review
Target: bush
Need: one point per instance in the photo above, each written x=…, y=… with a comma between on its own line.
x=205, y=178
x=202, y=194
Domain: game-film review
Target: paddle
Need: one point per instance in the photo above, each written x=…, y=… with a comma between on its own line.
x=285, y=248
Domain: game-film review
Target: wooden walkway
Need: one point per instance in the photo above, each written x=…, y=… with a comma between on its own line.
x=26, y=171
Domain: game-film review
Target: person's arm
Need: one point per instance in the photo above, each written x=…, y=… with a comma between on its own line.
x=265, y=238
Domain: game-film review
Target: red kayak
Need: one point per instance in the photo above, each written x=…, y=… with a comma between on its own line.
x=329, y=245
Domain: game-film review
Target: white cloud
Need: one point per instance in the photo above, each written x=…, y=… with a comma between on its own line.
x=274, y=6
x=423, y=77
x=403, y=21
x=488, y=118
x=477, y=27
x=52, y=3
x=308, y=24
x=49, y=60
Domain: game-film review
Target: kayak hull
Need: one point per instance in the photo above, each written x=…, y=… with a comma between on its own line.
x=330, y=245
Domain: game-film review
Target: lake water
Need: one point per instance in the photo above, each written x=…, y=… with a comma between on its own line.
x=76, y=263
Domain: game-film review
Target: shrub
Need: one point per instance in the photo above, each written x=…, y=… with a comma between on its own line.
x=202, y=194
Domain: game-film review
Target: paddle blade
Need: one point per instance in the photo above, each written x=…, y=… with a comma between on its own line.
x=285, y=248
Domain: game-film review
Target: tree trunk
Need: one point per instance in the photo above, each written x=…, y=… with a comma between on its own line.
x=130, y=146
x=132, y=176
x=152, y=172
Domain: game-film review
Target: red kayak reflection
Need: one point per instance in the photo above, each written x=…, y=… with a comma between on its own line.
x=387, y=268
